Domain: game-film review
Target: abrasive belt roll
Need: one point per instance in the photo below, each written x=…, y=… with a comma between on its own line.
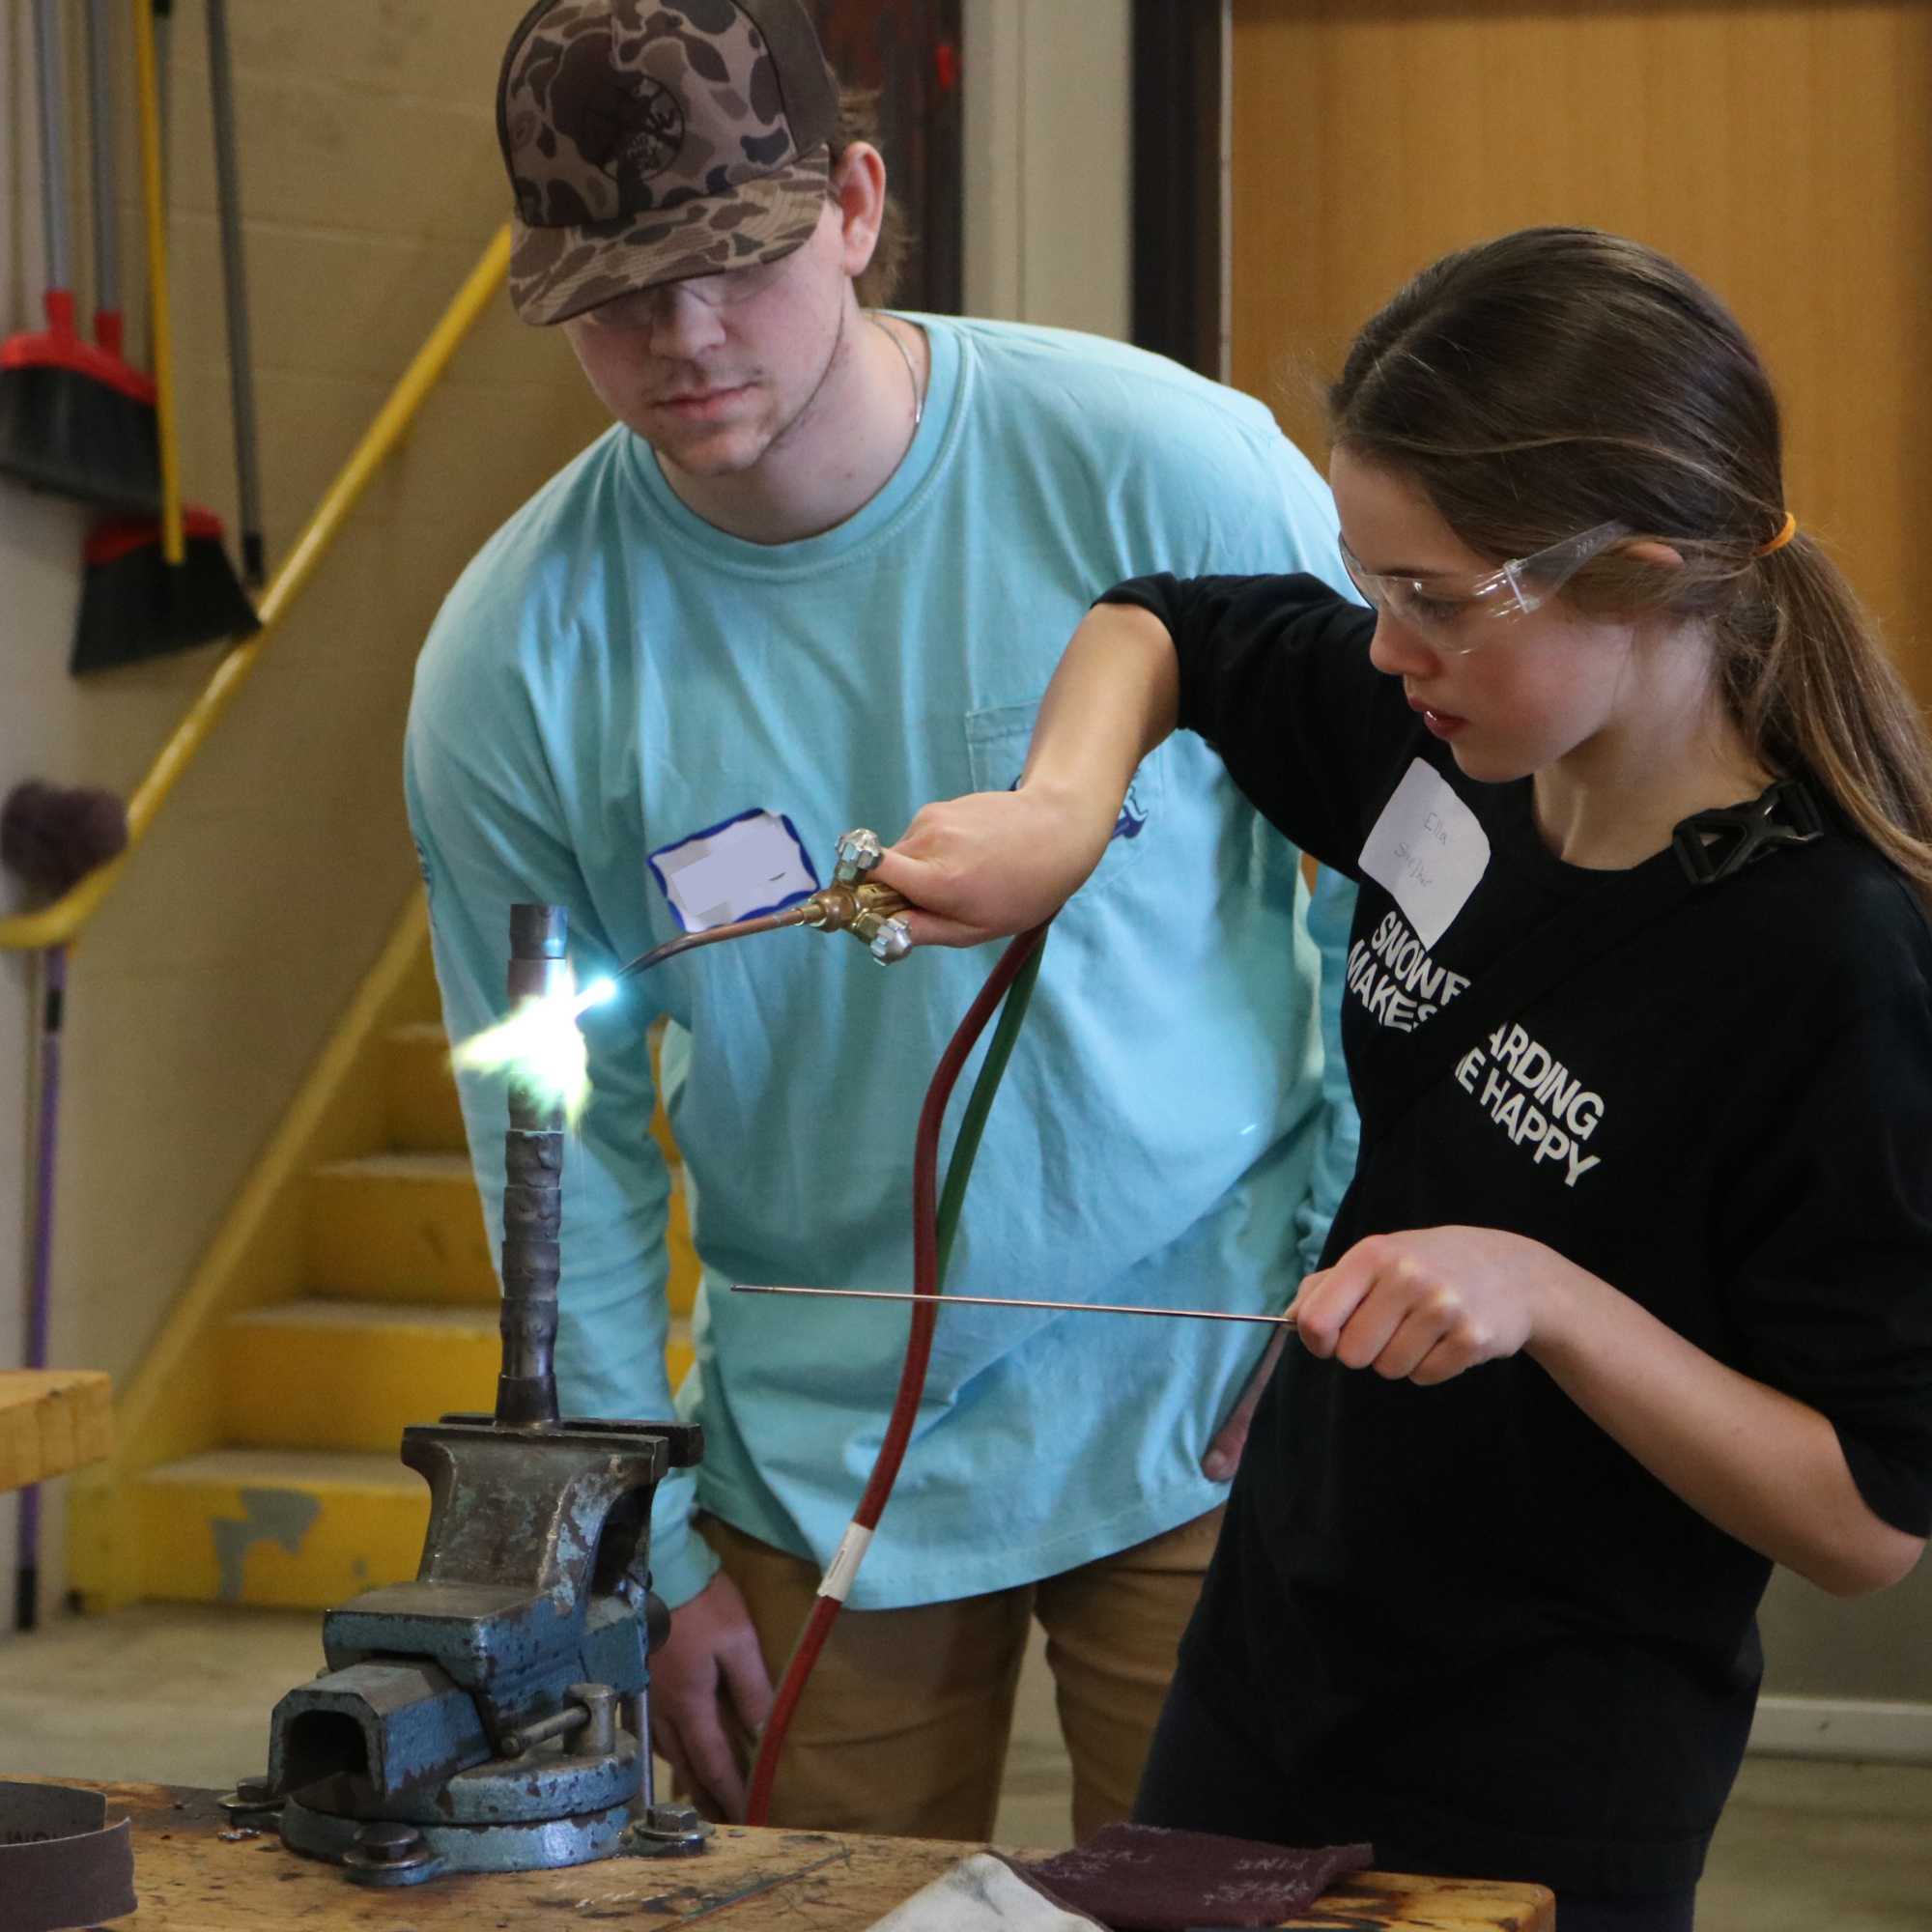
x=61, y=1863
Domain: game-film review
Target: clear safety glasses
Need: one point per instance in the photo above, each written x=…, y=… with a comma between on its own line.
x=1455, y=614
x=726, y=287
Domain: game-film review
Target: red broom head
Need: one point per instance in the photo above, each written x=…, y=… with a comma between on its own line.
x=58, y=347
x=114, y=537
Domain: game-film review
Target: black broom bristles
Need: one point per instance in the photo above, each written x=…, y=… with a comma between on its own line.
x=77, y=421
x=134, y=605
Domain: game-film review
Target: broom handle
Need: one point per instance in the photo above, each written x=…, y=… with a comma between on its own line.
x=235, y=293
x=173, y=549
x=107, y=231
x=40, y=1281
x=53, y=148
x=164, y=92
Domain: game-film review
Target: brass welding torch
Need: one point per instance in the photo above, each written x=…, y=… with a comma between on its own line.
x=871, y=913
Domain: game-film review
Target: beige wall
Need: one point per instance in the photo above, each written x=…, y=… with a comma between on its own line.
x=371, y=185
x=1047, y=178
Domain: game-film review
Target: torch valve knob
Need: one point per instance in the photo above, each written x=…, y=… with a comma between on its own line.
x=858, y=853
x=892, y=941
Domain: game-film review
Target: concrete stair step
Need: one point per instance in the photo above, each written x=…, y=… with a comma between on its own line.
x=351, y=1374
x=419, y=1091
x=399, y=1227
x=288, y=1528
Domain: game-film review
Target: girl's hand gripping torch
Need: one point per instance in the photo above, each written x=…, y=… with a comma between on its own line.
x=851, y=904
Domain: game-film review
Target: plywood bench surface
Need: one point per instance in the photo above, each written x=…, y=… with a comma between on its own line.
x=193, y=1874
x=52, y=1420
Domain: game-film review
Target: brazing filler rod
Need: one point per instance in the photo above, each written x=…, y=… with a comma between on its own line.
x=1016, y=1302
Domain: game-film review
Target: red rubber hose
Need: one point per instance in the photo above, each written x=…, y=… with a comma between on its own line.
x=919, y=1353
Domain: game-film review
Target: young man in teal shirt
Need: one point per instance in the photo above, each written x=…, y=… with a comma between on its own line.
x=818, y=574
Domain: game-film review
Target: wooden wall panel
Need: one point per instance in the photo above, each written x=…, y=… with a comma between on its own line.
x=1779, y=150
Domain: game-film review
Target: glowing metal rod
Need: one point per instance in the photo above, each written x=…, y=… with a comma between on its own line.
x=1016, y=1302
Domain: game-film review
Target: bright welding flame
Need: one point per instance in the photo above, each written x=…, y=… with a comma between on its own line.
x=594, y=995
x=540, y=1048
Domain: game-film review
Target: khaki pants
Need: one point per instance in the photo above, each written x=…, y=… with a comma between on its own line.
x=904, y=1727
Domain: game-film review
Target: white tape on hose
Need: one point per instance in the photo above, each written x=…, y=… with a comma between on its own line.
x=845, y=1561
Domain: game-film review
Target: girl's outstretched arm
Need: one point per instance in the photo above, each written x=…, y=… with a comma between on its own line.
x=997, y=861
x=1760, y=1465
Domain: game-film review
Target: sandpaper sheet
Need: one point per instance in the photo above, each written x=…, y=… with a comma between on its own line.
x=1145, y=1878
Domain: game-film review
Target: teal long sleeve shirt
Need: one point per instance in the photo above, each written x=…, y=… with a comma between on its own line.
x=625, y=711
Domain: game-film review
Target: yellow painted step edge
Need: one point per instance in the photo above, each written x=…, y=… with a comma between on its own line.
x=349, y=1375
x=277, y=1529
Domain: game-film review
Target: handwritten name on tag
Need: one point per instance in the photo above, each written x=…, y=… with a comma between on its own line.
x=1429, y=849
x=750, y=865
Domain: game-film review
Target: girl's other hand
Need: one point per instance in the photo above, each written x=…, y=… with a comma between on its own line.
x=994, y=863
x=1427, y=1304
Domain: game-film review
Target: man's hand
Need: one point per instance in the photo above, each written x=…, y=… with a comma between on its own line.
x=712, y=1652
x=1428, y=1304
x=994, y=863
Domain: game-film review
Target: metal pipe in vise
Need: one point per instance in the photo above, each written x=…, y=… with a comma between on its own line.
x=532, y=1194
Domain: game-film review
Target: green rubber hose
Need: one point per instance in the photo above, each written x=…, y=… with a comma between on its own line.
x=979, y=1103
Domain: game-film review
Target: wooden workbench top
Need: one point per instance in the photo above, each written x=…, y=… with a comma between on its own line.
x=193, y=1874
x=52, y=1420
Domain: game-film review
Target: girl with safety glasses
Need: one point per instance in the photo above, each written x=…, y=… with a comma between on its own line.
x=1632, y=1294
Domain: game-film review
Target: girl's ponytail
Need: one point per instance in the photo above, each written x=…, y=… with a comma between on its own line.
x=1560, y=378
x=1815, y=692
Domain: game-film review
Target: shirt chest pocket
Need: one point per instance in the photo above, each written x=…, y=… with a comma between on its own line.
x=996, y=750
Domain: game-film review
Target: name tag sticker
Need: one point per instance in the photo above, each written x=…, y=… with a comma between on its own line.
x=750, y=865
x=1429, y=849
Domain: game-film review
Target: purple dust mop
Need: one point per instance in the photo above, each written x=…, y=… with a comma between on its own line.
x=50, y=838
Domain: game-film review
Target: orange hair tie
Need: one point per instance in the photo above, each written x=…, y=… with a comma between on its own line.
x=1782, y=538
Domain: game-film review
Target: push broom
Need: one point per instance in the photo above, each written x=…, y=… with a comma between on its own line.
x=153, y=588
x=74, y=419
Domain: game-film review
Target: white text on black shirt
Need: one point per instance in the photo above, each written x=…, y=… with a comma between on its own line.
x=1392, y=975
x=1535, y=1100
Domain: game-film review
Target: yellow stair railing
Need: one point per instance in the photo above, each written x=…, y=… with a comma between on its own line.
x=61, y=923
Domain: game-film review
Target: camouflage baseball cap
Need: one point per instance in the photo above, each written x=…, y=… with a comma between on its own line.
x=649, y=143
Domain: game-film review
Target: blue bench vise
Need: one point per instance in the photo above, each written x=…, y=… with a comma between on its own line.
x=494, y=1713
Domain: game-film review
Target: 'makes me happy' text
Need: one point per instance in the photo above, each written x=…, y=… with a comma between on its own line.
x=1525, y=1090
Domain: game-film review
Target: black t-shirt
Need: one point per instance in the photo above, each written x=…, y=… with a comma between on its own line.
x=1463, y=1618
